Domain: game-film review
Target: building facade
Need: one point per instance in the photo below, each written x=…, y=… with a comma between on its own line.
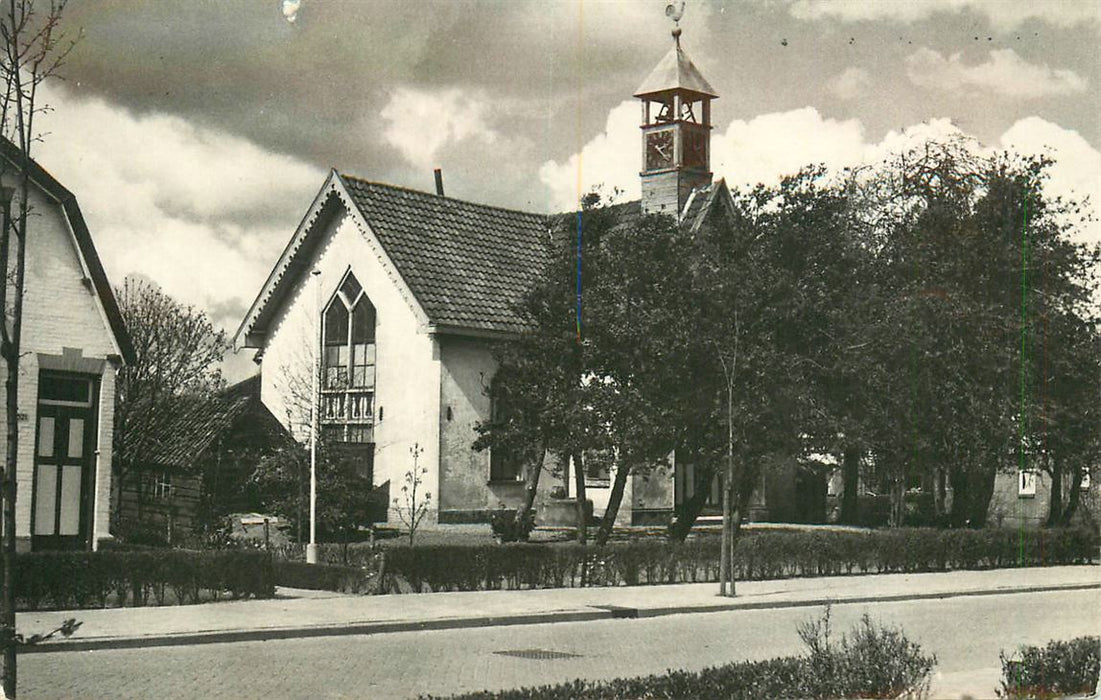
x=73, y=342
x=399, y=297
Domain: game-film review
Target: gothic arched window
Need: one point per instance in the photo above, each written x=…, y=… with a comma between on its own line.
x=348, y=364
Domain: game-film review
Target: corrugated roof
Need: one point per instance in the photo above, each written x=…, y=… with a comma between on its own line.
x=675, y=71
x=467, y=264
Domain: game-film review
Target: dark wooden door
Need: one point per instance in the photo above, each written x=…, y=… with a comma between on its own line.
x=64, y=467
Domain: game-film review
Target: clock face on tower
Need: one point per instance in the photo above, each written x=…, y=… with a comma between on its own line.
x=659, y=149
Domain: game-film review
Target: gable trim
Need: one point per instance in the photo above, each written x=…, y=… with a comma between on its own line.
x=380, y=253
x=106, y=303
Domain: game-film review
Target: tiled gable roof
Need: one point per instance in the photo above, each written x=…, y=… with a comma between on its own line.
x=468, y=265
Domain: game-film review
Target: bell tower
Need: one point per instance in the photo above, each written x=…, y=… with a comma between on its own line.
x=676, y=132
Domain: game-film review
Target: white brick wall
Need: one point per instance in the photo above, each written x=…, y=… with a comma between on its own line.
x=59, y=311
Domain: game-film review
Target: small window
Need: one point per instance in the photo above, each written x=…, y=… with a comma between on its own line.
x=65, y=391
x=1084, y=484
x=504, y=465
x=159, y=486
x=599, y=465
x=1026, y=483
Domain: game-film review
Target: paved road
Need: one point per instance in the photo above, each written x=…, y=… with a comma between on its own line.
x=965, y=633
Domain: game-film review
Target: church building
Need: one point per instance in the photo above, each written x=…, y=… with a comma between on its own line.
x=400, y=296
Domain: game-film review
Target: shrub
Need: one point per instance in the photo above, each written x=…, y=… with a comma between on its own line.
x=508, y=527
x=324, y=577
x=1055, y=671
x=766, y=554
x=872, y=661
x=70, y=580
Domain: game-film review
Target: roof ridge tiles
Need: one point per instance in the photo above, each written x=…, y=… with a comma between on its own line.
x=431, y=196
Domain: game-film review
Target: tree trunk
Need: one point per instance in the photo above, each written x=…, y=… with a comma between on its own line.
x=7, y=604
x=1073, y=498
x=531, y=487
x=981, y=490
x=1055, y=503
x=958, y=513
x=940, y=495
x=725, y=565
x=690, y=510
x=850, y=485
x=614, y=499
x=580, y=496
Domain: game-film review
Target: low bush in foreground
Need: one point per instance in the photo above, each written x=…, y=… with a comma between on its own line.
x=765, y=554
x=1055, y=671
x=869, y=662
x=71, y=580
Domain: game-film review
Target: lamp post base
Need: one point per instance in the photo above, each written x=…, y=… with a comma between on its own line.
x=311, y=553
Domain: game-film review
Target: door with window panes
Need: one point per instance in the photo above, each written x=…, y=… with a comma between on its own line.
x=64, y=462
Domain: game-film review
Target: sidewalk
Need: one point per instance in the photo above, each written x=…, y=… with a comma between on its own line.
x=296, y=613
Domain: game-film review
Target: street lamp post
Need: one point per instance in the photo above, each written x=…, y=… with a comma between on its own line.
x=315, y=406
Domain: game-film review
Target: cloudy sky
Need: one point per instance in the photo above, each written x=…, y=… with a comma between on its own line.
x=195, y=134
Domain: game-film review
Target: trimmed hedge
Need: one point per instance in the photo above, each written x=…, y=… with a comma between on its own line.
x=117, y=578
x=767, y=554
x=1055, y=671
x=872, y=662
x=325, y=577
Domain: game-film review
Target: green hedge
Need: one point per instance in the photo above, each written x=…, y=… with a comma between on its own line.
x=71, y=580
x=1055, y=671
x=325, y=577
x=870, y=662
x=765, y=554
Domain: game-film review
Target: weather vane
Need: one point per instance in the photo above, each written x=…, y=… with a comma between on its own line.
x=675, y=11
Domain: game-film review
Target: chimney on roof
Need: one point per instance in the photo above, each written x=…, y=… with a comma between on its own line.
x=439, y=181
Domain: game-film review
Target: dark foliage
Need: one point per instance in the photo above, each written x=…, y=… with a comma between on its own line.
x=512, y=525
x=136, y=577
x=1055, y=671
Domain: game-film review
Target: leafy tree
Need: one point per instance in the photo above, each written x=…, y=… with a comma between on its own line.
x=178, y=360
x=346, y=501
x=35, y=48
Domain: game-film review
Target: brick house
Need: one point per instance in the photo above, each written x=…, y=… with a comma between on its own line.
x=401, y=294
x=73, y=341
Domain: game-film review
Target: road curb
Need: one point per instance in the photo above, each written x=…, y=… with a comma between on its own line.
x=588, y=614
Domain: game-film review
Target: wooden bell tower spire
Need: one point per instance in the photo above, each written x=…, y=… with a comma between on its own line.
x=676, y=132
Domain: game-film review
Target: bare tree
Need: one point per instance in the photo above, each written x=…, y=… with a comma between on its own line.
x=179, y=352
x=34, y=50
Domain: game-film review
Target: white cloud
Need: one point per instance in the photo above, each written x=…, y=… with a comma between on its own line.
x=1076, y=172
x=767, y=147
x=853, y=82
x=200, y=212
x=1004, y=14
x=610, y=160
x=1005, y=73
x=421, y=123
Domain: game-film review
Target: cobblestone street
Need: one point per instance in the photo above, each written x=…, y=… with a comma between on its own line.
x=965, y=633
